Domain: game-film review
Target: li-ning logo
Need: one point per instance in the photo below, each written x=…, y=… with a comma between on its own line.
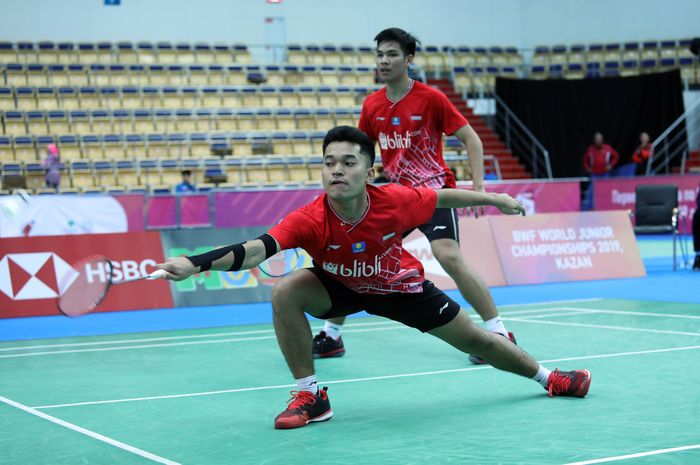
x=39, y=275
x=358, y=269
x=394, y=141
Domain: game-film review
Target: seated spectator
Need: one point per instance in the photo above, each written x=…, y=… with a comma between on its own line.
x=641, y=155
x=600, y=158
x=51, y=167
x=185, y=185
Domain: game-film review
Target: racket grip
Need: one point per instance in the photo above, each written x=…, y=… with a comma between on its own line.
x=156, y=274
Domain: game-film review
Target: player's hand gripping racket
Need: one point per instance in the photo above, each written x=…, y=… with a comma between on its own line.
x=87, y=285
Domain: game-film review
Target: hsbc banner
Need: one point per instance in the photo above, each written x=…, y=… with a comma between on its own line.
x=31, y=269
x=216, y=287
x=619, y=194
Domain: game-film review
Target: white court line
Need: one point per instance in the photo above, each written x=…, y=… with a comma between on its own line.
x=588, y=325
x=624, y=312
x=349, y=328
x=569, y=301
x=634, y=456
x=171, y=338
x=373, y=378
x=554, y=314
x=87, y=432
x=177, y=344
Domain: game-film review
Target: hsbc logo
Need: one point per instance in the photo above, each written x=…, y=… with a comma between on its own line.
x=30, y=276
x=394, y=141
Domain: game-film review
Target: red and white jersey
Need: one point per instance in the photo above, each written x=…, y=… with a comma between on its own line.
x=367, y=256
x=409, y=133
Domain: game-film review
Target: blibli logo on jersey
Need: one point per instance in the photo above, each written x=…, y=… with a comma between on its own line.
x=358, y=269
x=396, y=121
x=394, y=141
x=358, y=247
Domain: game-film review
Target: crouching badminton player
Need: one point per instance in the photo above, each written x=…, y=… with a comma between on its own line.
x=354, y=235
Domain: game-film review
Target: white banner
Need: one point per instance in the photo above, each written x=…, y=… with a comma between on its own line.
x=52, y=215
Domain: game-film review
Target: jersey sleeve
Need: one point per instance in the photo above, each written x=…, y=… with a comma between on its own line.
x=364, y=123
x=450, y=120
x=417, y=204
x=290, y=233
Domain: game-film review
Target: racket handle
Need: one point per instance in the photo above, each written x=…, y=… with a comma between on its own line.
x=156, y=274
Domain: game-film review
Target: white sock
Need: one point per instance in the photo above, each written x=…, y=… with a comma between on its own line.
x=308, y=384
x=495, y=325
x=332, y=330
x=542, y=376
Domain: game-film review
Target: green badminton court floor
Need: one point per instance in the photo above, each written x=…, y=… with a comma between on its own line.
x=400, y=397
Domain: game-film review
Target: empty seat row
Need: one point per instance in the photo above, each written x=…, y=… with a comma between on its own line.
x=687, y=65
x=123, y=52
x=99, y=122
x=131, y=97
x=579, y=53
x=38, y=74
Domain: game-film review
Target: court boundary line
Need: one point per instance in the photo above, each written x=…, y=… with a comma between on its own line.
x=79, y=429
x=591, y=325
x=636, y=455
x=379, y=326
x=354, y=380
x=627, y=312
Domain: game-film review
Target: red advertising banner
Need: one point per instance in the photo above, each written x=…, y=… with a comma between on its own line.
x=619, y=193
x=478, y=249
x=31, y=269
x=566, y=247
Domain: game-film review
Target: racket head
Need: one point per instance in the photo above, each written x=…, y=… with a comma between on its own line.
x=85, y=286
x=280, y=264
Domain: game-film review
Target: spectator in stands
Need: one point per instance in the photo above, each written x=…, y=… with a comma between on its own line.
x=380, y=178
x=696, y=234
x=51, y=166
x=600, y=158
x=641, y=155
x=186, y=185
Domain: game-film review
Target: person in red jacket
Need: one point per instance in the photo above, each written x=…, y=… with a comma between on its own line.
x=600, y=158
x=641, y=155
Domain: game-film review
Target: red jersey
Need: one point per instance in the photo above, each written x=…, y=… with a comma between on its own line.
x=641, y=155
x=367, y=256
x=600, y=160
x=409, y=133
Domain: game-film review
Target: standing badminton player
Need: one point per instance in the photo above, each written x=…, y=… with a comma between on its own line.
x=408, y=119
x=354, y=234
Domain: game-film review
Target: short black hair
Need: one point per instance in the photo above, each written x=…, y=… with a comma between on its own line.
x=406, y=41
x=186, y=172
x=353, y=135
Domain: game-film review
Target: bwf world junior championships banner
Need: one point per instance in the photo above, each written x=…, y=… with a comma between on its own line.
x=512, y=250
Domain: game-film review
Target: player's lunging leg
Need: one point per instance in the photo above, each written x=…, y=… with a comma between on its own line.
x=464, y=335
x=291, y=296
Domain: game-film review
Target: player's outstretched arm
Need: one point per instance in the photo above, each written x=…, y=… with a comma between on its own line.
x=460, y=198
x=231, y=258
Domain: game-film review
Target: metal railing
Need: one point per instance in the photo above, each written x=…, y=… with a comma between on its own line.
x=520, y=140
x=674, y=143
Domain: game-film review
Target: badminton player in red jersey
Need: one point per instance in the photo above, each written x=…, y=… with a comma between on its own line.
x=408, y=118
x=354, y=234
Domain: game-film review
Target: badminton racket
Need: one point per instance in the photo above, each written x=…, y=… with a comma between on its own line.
x=88, y=283
x=281, y=264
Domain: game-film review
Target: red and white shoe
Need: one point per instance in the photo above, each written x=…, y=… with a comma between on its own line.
x=476, y=360
x=304, y=408
x=569, y=383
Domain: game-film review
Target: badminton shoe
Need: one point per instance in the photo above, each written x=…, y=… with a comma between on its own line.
x=569, y=383
x=304, y=408
x=327, y=347
x=476, y=360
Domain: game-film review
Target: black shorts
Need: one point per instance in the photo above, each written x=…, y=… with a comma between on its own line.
x=424, y=311
x=444, y=224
